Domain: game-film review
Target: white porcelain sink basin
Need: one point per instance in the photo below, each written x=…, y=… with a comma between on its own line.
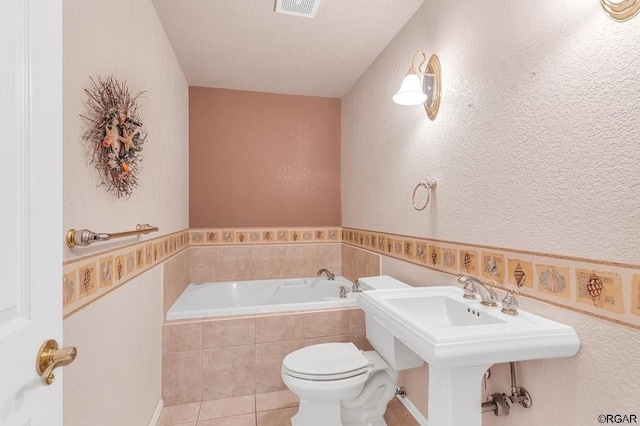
x=440, y=312
x=446, y=329
x=459, y=339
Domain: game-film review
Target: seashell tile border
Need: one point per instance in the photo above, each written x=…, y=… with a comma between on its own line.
x=86, y=279
x=563, y=281
x=250, y=236
x=606, y=290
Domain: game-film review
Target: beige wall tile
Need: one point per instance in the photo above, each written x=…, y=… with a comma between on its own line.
x=356, y=321
x=233, y=263
x=263, y=262
x=228, y=332
x=281, y=417
x=181, y=337
x=182, y=377
x=331, y=256
x=349, y=262
x=329, y=339
x=367, y=264
x=371, y=265
x=228, y=372
x=227, y=407
x=326, y=323
x=276, y=400
x=234, y=253
x=242, y=420
x=361, y=342
x=277, y=328
x=269, y=358
x=302, y=260
x=268, y=262
x=358, y=263
x=179, y=414
x=202, y=267
x=175, y=278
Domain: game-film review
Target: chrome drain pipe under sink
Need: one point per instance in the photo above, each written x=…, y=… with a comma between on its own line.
x=500, y=403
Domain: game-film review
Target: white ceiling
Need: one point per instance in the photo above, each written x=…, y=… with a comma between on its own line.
x=245, y=45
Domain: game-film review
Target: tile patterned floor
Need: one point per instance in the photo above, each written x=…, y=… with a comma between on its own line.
x=197, y=414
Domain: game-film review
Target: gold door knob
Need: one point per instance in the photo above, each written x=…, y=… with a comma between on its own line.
x=50, y=357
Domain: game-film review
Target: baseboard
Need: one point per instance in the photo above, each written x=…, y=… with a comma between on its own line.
x=413, y=411
x=156, y=414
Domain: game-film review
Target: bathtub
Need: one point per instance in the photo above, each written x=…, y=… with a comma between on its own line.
x=203, y=300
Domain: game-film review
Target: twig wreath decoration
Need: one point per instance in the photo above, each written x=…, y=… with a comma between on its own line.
x=116, y=134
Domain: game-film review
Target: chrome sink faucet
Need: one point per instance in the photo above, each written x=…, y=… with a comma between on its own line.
x=330, y=275
x=473, y=286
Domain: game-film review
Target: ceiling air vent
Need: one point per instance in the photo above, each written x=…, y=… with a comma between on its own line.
x=304, y=8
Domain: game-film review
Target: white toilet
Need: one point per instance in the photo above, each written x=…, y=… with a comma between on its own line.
x=339, y=385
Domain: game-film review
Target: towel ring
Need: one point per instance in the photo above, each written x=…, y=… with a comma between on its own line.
x=428, y=184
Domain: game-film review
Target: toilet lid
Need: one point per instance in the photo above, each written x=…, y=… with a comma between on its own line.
x=327, y=361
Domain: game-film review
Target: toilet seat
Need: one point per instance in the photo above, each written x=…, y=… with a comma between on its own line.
x=325, y=362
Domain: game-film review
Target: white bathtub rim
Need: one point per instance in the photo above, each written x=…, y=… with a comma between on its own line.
x=332, y=302
x=349, y=302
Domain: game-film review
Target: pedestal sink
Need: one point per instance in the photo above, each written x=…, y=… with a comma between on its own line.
x=460, y=339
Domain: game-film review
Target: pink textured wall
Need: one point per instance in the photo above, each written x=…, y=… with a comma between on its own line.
x=262, y=159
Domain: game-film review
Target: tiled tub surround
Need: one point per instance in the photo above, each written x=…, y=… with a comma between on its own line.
x=249, y=262
x=235, y=362
x=175, y=278
x=230, y=366
x=358, y=263
x=230, y=263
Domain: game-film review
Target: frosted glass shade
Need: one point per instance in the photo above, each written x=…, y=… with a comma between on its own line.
x=410, y=92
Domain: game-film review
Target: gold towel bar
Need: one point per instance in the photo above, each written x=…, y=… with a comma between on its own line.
x=84, y=237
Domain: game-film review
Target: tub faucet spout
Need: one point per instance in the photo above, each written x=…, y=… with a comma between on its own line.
x=330, y=275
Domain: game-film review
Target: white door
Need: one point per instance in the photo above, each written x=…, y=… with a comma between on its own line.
x=30, y=207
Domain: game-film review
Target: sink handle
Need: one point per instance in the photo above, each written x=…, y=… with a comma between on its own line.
x=510, y=303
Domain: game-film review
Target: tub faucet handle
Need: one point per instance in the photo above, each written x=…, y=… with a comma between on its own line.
x=343, y=292
x=356, y=287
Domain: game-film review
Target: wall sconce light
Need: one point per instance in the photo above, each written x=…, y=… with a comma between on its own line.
x=621, y=10
x=422, y=85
